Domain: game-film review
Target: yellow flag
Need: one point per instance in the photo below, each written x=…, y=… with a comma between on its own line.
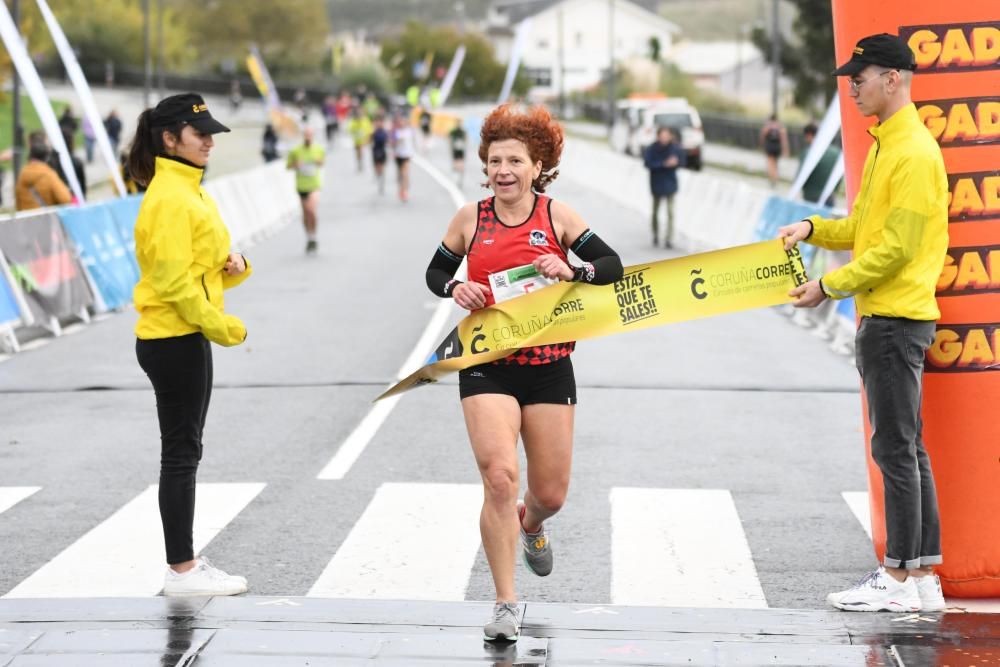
x=253, y=67
x=648, y=295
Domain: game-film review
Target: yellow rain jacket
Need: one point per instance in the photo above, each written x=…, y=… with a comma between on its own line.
x=182, y=245
x=898, y=227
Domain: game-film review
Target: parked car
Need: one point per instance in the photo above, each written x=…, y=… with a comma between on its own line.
x=637, y=122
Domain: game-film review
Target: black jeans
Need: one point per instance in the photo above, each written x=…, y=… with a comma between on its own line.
x=180, y=369
x=890, y=358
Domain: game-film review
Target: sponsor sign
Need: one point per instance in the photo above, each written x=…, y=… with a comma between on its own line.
x=964, y=348
x=969, y=121
x=954, y=47
x=973, y=196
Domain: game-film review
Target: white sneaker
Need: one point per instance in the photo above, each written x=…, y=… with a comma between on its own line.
x=878, y=591
x=202, y=579
x=929, y=589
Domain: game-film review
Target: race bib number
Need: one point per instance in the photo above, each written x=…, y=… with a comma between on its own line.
x=518, y=281
x=307, y=169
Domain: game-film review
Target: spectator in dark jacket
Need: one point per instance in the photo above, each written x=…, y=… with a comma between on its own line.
x=68, y=123
x=81, y=174
x=662, y=158
x=113, y=126
x=269, y=144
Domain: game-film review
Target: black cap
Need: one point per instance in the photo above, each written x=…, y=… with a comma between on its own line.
x=187, y=108
x=884, y=49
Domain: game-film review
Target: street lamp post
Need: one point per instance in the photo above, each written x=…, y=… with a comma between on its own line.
x=147, y=78
x=160, y=64
x=775, y=56
x=611, y=67
x=561, y=65
x=17, y=145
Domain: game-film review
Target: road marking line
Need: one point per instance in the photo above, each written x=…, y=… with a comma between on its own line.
x=356, y=442
x=12, y=495
x=680, y=548
x=858, y=502
x=413, y=542
x=123, y=555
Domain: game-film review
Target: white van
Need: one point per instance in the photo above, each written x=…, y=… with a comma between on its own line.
x=637, y=121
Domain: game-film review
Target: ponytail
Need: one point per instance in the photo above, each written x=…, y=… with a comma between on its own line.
x=146, y=146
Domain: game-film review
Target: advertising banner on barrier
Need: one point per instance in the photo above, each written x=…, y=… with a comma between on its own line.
x=12, y=310
x=103, y=252
x=43, y=265
x=779, y=212
x=648, y=295
x=124, y=212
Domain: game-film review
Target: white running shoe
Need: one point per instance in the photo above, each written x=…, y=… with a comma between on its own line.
x=202, y=579
x=931, y=596
x=504, y=626
x=878, y=591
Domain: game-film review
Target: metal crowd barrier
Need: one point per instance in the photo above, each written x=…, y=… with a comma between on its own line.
x=66, y=263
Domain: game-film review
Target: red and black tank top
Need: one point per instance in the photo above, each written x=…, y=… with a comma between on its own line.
x=498, y=247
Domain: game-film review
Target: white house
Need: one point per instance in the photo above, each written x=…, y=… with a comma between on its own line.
x=567, y=45
x=732, y=68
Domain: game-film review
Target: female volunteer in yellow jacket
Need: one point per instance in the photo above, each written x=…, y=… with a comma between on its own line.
x=182, y=247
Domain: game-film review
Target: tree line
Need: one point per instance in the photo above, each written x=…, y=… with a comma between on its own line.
x=211, y=37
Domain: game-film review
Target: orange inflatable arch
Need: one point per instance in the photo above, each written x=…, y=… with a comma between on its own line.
x=957, y=93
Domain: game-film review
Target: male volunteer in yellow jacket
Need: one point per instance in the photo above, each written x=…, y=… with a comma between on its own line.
x=898, y=230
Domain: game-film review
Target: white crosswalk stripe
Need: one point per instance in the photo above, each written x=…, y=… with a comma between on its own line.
x=12, y=495
x=420, y=541
x=680, y=548
x=123, y=555
x=413, y=542
x=858, y=502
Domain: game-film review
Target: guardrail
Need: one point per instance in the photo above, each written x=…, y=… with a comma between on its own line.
x=67, y=263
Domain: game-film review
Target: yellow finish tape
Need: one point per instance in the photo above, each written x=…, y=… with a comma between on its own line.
x=648, y=295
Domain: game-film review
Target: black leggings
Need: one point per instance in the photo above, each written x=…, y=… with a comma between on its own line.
x=180, y=369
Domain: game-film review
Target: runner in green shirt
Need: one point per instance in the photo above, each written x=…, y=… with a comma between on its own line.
x=307, y=161
x=360, y=128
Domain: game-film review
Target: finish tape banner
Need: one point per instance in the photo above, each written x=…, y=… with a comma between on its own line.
x=648, y=295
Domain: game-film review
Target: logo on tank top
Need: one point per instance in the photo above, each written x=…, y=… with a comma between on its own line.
x=537, y=237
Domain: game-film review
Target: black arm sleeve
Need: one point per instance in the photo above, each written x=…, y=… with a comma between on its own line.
x=601, y=264
x=441, y=271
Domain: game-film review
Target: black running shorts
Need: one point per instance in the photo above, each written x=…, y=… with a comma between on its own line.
x=529, y=385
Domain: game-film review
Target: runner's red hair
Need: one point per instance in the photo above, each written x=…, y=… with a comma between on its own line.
x=535, y=128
